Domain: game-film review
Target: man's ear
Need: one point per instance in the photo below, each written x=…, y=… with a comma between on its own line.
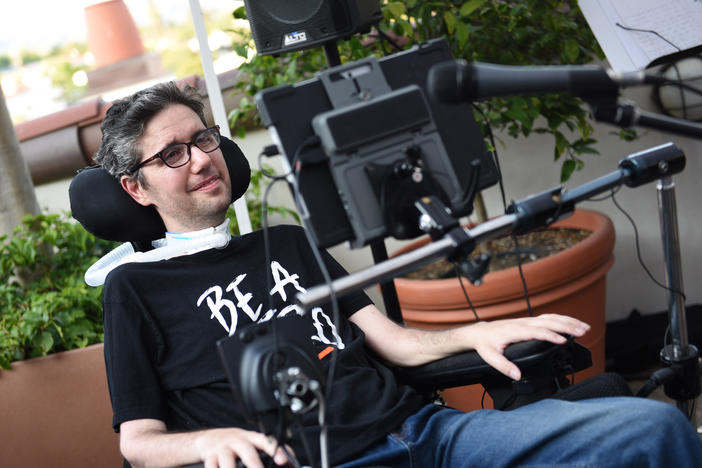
x=132, y=186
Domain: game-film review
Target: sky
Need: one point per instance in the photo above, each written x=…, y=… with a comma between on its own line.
x=40, y=24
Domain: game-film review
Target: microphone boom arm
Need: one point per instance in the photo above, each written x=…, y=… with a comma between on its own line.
x=538, y=210
x=627, y=115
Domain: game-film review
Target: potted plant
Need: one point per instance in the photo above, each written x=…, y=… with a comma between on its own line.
x=53, y=379
x=562, y=268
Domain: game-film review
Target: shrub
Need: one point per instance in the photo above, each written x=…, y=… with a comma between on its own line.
x=45, y=306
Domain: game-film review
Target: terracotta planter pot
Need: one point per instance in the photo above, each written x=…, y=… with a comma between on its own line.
x=55, y=411
x=112, y=33
x=571, y=282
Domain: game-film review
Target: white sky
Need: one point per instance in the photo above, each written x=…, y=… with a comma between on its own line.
x=40, y=24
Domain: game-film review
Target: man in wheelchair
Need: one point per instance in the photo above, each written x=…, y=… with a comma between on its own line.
x=171, y=399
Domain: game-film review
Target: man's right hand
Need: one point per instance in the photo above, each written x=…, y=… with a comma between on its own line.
x=220, y=448
x=147, y=442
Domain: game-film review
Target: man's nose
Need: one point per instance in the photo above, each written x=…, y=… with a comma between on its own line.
x=199, y=160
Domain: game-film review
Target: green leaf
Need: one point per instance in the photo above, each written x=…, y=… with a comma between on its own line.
x=461, y=33
x=571, y=49
x=240, y=13
x=567, y=169
x=241, y=50
x=450, y=20
x=561, y=143
x=397, y=9
x=45, y=341
x=470, y=6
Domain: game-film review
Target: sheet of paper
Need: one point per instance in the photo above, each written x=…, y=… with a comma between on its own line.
x=633, y=33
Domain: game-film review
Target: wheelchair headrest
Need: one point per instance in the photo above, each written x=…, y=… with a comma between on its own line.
x=106, y=210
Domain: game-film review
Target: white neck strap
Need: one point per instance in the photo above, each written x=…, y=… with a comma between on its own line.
x=175, y=244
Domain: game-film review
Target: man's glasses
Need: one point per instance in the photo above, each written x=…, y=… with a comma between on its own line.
x=178, y=154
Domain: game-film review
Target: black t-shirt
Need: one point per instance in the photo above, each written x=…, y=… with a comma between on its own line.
x=163, y=319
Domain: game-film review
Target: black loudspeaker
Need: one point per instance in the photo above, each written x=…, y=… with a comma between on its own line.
x=286, y=25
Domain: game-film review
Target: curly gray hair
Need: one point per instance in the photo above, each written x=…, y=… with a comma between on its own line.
x=126, y=119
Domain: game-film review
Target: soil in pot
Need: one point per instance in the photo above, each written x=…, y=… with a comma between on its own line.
x=533, y=246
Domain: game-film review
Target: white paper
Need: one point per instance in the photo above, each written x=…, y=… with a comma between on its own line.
x=679, y=22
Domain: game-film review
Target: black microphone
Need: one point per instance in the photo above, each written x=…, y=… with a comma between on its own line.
x=458, y=81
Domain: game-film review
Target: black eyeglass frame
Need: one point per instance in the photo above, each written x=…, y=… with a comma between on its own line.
x=189, y=144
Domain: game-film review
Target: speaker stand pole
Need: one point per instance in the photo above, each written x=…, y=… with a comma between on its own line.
x=679, y=355
x=331, y=54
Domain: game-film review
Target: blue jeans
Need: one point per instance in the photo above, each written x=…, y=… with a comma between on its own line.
x=603, y=432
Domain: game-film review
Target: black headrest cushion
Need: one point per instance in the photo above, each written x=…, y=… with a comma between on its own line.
x=105, y=210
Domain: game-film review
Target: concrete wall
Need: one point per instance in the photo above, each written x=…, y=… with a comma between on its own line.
x=528, y=168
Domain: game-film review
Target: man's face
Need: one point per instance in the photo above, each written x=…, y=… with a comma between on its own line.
x=188, y=198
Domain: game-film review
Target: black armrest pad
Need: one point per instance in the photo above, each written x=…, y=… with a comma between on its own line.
x=469, y=368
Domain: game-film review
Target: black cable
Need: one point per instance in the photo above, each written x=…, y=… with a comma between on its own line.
x=297, y=167
x=388, y=38
x=465, y=293
x=682, y=85
x=658, y=378
x=270, y=175
x=605, y=197
x=305, y=442
x=650, y=31
x=267, y=259
x=638, y=250
x=495, y=157
x=521, y=275
x=264, y=215
x=682, y=91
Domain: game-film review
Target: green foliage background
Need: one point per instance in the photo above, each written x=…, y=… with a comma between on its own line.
x=45, y=306
x=526, y=32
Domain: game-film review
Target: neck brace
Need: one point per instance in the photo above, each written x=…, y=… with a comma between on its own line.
x=175, y=244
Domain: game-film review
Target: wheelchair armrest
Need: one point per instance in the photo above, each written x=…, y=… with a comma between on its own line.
x=532, y=357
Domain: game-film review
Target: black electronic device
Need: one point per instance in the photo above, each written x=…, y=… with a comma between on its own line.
x=269, y=372
x=383, y=142
x=280, y=26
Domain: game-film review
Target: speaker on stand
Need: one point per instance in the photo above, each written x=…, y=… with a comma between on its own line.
x=280, y=26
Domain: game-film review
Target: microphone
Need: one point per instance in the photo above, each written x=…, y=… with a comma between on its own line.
x=458, y=81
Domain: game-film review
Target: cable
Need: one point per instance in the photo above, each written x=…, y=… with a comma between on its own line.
x=264, y=218
x=387, y=38
x=605, y=197
x=323, y=438
x=638, y=250
x=658, y=378
x=495, y=157
x=267, y=259
x=650, y=31
x=465, y=293
x=682, y=91
x=297, y=167
x=305, y=442
x=521, y=275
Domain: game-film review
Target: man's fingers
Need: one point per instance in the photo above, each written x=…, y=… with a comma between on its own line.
x=270, y=446
x=281, y=458
x=563, y=324
x=496, y=359
x=249, y=457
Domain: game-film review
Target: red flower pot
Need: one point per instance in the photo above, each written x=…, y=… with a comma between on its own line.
x=571, y=282
x=56, y=412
